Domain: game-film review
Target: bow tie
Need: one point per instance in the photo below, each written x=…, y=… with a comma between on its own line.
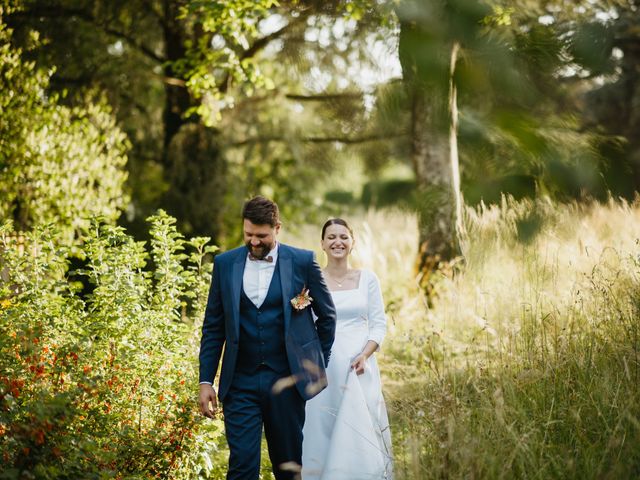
x=265, y=259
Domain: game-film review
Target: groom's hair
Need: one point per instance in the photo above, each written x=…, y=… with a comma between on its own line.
x=261, y=211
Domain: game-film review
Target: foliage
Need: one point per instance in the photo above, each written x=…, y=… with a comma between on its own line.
x=572, y=138
x=169, y=67
x=286, y=108
x=57, y=164
x=225, y=64
x=523, y=127
x=122, y=49
x=218, y=57
x=100, y=384
x=543, y=86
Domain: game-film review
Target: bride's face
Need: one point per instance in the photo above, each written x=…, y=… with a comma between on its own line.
x=337, y=242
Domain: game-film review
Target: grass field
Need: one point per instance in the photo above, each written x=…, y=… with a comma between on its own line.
x=527, y=363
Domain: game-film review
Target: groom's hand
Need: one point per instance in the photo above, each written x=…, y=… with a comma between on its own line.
x=208, y=402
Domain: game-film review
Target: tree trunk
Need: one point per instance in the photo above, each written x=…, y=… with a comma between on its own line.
x=177, y=98
x=194, y=167
x=454, y=159
x=434, y=154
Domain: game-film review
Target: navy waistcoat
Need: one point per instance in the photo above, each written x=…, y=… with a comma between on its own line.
x=261, y=342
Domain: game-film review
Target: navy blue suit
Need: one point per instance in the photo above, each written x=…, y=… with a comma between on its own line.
x=261, y=346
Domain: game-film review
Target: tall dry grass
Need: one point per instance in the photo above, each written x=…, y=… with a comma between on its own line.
x=528, y=364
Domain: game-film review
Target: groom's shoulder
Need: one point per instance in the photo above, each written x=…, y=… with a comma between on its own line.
x=229, y=255
x=296, y=252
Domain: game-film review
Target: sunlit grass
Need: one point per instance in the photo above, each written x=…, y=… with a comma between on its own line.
x=527, y=365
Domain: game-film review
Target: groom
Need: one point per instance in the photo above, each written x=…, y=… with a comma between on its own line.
x=274, y=354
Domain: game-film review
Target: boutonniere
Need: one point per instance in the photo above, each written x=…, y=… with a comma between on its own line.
x=302, y=300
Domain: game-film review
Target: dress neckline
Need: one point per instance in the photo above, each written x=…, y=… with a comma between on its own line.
x=350, y=289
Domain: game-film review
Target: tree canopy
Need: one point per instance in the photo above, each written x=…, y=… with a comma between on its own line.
x=58, y=164
x=222, y=100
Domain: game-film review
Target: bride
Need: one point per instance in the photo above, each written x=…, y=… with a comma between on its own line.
x=346, y=433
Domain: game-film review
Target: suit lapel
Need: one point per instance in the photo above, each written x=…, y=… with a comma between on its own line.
x=285, y=264
x=236, y=287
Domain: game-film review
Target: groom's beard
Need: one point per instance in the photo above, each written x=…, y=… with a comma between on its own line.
x=260, y=251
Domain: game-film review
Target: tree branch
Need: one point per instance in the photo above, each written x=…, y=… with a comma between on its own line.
x=82, y=80
x=61, y=12
x=261, y=43
x=176, y=82
x=355, y=140
x=299, y=97
x=325, y=96
x=161, y=19
x=343, y=140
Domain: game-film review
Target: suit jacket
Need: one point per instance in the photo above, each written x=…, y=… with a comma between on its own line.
x=308, y=343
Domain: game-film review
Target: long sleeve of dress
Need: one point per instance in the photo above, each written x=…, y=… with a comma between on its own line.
x=376, y=316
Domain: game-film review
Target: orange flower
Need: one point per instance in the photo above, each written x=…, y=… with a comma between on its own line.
x=112, y=380
x=302, y=300
x=39, y=437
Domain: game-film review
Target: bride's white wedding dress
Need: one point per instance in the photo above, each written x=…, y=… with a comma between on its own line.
x=346, y=431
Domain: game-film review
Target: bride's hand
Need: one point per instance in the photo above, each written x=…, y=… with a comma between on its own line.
x=359, y=364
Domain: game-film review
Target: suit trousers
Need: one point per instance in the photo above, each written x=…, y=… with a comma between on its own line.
x=249, y=404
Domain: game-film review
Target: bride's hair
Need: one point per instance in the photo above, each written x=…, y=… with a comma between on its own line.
x=336, y=221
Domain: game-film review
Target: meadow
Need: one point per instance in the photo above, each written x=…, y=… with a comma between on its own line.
x=525, y=363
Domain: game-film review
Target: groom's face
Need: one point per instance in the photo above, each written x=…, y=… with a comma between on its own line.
x=260, y=239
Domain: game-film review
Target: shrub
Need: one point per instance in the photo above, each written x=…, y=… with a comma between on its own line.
x=102, y=384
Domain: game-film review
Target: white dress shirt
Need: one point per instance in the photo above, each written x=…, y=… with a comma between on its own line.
x=257, y=277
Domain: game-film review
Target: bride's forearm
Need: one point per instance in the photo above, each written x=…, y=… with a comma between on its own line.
x=369, y=348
